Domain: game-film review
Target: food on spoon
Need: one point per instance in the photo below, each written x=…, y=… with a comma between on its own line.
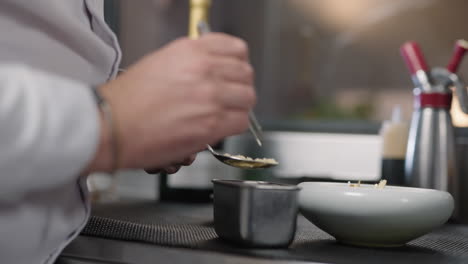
x=263, y=160
x=266, y=160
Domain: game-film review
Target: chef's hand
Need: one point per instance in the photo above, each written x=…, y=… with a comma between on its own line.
x=173, y=168
x=173, y=102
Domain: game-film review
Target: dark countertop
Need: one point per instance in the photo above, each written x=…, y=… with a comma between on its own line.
x=92, y=250
x=448, y=245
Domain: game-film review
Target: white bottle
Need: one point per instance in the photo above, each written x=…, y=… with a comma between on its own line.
x=394, y=135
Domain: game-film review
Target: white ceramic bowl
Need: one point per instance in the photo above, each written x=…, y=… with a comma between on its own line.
x=368, y=216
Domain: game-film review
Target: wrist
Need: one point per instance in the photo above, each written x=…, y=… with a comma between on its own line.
x=102, y=161
x=106, y=157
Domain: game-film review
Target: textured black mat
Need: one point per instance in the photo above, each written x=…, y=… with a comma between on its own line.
x=191, y=226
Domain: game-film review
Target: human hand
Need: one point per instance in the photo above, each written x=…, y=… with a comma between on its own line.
x=173, y=168
x=173, y=102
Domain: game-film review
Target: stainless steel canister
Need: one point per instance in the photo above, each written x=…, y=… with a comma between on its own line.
x=255, y=214
x=430, y=157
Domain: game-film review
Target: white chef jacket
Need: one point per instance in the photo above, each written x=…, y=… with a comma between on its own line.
x=51, y=53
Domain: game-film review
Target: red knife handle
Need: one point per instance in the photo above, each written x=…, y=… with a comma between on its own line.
x=461, y=46
x=413, y=56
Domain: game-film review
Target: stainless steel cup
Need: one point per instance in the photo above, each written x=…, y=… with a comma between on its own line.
x=255, y=214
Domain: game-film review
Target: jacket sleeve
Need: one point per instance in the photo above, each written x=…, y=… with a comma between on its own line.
x=48, y=130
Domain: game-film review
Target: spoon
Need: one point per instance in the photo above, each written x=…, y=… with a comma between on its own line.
x=242, y=163
x=254, y=127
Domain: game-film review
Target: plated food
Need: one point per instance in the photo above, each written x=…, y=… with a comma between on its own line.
x=379, y=185
x=374, y=216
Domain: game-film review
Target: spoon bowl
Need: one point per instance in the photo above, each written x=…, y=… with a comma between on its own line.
x=242, y=163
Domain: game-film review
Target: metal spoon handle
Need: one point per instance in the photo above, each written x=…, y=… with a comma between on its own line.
x=203, y=28
x=254, y=126
x=210, y=149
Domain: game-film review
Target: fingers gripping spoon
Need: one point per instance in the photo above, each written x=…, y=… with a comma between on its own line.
x=240, y=161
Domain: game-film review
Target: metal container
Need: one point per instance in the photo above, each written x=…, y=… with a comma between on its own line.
x=255, y=214
x=431, y=154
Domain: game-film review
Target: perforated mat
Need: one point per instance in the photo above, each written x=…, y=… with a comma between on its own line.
x=191, y=226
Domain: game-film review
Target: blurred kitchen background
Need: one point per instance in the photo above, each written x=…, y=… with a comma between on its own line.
x=314, y=59
x=317, y=61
